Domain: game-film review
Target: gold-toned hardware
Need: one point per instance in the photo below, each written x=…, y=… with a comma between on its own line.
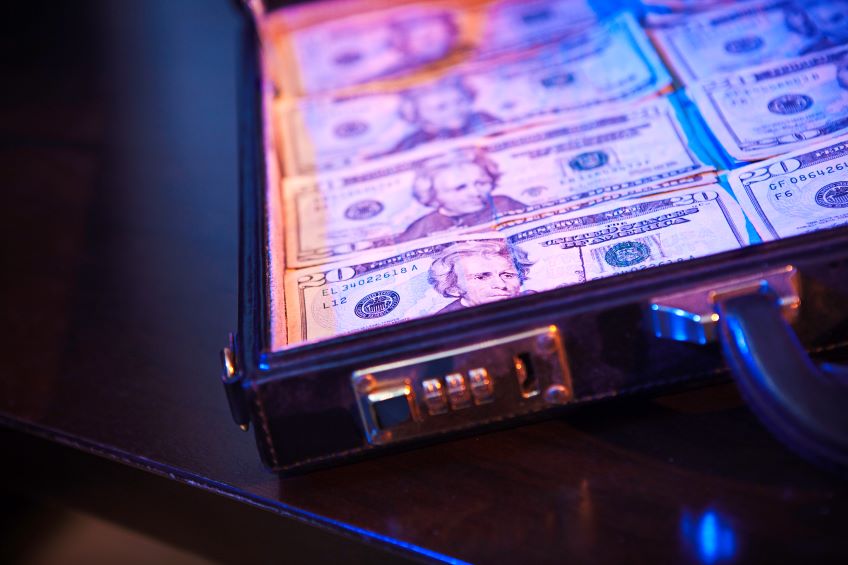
x=228, y=359
x=364, y=383
x=482, y=388
x=547, y=341
x=460, y=387
x=458, y=393
x=229, y=376
x=525, y=374
x=392, y=406
x=557, y=394
x=434, y=396
x=691, y=315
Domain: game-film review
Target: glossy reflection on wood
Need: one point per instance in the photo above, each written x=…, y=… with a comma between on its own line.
x=119, y=160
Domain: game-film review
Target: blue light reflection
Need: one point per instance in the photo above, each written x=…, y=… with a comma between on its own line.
x=709, y=536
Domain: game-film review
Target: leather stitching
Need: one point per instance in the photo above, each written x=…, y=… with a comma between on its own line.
x=266, y=429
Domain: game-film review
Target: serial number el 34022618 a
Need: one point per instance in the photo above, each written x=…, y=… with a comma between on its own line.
x=337, y=291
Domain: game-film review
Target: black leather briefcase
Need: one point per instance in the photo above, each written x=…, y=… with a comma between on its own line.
x=761, y=314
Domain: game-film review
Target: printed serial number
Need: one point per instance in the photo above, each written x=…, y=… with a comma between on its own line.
x=829, y=170
x=365, y=281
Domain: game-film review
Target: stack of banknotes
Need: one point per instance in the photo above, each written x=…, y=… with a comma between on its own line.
x=437, y=156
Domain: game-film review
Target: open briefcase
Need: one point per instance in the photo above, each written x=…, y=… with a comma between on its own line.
x=759, y=307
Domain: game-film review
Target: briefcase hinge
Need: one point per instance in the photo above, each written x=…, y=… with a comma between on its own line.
x=231, y=378
x=691, y=315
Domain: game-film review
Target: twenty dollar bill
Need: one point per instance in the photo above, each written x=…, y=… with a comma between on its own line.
x=772, y=109
x=797, y=193
x=325, y=46
x=451, y=274
x=462, y=188
x=749, y=34
x=609, y=64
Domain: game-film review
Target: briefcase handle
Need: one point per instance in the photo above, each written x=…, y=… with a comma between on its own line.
x=803, y=404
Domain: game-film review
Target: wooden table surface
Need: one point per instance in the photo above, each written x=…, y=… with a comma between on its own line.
x=119, y=161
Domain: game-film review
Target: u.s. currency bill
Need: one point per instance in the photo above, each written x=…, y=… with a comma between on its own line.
x=513, y=25
x=612, y=62
x=686, y=7
x=602, y=195
x=772, y=109
x=450, y=274
x=326, y=46
x=464, y=188
x=665, y=13
x=750, y=34
x=627, y=236
x=796, y=193
x=373, y=290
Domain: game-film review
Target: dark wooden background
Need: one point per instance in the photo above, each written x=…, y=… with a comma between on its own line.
x=118, y=155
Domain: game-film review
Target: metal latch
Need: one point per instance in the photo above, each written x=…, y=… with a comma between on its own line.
x=691, y=315
x=483, y=382
x=231, y=378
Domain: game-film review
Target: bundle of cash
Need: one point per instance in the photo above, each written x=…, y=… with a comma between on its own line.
x=439, y=156
x=749, y=34
x=454, y=273
x=467, y=187
x=326, y=46
x=767, y=110
x=610, y=63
